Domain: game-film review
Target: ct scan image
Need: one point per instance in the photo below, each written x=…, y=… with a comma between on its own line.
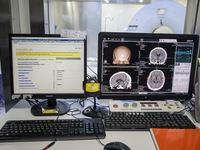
x=158, y=56
x=155, y=80
x=151, y=79
x=121, y=55
x=120, y=80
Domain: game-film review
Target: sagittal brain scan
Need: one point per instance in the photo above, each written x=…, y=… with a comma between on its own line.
x=158, y=56
x=121, y=55
x=120, y=80
x=156, y=80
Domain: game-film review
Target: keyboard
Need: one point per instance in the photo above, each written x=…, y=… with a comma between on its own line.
x=121, y=121
x=43, y=130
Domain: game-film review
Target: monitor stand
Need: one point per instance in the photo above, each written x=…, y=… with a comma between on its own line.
x=50, y=107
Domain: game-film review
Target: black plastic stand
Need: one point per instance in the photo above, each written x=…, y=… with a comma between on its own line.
x=95, y=112
x=51, y=107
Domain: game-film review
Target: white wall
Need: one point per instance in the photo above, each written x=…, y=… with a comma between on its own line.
x=117, y=16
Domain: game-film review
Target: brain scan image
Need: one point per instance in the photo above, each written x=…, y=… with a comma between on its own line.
x=156, y=80
x=121, y=55
x=158, y=56
x=120, y=80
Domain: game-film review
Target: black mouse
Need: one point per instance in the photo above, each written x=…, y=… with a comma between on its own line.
x=116, y=146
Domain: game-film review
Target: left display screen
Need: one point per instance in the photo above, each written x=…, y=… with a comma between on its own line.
x=47, y=65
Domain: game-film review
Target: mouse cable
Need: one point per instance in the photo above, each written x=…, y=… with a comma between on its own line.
x=76, y=111
x=73, y=115
x=99, y=141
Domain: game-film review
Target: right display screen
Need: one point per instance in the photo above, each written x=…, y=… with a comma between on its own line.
x=147, y=66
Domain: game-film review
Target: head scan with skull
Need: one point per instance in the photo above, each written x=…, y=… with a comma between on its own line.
x=121, y=55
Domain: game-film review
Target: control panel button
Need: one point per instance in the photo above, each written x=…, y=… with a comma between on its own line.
x=126, y=105
x=134, y=105
x=115, y=105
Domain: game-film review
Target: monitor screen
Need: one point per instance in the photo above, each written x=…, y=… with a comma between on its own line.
x=146, y=66
x=47, y=66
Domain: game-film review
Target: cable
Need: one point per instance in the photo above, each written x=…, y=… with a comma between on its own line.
x=189, y=106
x=33, y=102
x=95, y=103
x=82, y=102
x=78, y=111
x=76, y=101
x=99, y=141
x=72, y=111
x=92, y=70
x=97, y=138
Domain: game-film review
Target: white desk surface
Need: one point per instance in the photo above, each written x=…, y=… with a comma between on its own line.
x=136, y=140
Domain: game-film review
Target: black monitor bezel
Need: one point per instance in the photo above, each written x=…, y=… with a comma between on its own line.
x=45, y=95
x=144, y=96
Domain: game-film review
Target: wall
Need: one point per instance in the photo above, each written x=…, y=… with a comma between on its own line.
x=84, y=16
x=117, y=16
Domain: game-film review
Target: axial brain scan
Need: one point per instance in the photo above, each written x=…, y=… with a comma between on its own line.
x=120, y=80
x=121, y=55
x=156, y=80
x=158, y=56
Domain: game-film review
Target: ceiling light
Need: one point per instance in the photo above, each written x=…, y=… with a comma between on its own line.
x=107, y=1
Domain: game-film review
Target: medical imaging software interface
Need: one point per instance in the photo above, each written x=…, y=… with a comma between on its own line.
x=47, y=65
x=146, y=65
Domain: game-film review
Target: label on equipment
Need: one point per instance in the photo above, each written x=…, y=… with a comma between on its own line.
x=92, y=87
x=49, y=111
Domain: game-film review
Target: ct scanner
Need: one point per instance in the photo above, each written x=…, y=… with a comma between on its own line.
x=160, y=13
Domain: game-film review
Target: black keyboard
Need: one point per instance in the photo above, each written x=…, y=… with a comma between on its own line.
x=62, y=129
x=120, y=121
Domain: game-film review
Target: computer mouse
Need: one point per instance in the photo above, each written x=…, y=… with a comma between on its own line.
x=116, y=146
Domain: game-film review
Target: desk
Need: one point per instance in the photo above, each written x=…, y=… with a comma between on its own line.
x=136, y=140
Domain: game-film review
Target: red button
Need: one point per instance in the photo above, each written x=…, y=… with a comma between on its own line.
x=115, y=105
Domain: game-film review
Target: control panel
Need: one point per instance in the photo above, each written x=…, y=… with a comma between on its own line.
x=145, y=106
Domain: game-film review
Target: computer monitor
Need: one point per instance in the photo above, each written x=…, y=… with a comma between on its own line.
x=47, y=67
x=143, y=66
